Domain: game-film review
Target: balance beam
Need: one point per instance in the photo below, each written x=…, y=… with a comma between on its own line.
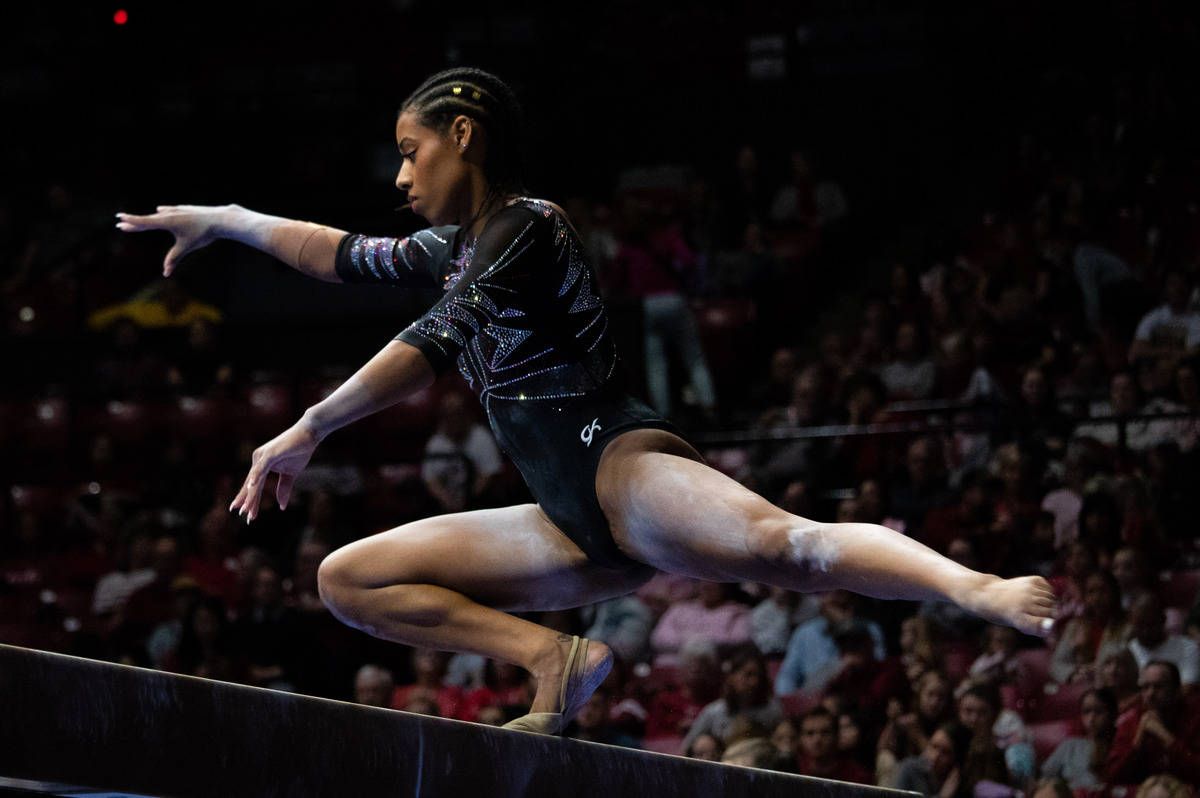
x=71, y=726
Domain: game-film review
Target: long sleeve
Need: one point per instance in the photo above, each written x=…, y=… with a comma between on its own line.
x=791, y=674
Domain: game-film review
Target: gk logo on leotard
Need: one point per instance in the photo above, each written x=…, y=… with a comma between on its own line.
x=588, y=430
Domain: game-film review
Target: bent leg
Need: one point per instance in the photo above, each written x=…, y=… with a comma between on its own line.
x=674, y=512
x=443, y=582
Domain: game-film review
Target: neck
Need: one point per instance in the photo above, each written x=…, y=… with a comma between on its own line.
x=474, y=206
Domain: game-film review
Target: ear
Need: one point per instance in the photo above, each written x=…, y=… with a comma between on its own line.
x=461, y=130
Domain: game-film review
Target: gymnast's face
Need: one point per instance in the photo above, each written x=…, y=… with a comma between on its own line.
x=435, y=168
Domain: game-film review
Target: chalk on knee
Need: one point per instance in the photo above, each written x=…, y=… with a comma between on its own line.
x=812, y=547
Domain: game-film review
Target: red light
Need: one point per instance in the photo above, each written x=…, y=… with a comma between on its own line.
x=121, y=17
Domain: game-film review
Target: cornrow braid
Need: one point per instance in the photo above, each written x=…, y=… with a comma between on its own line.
x=489, y=101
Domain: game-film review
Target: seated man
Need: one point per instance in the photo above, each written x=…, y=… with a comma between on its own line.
x=1149, y=640
x=1162, y=736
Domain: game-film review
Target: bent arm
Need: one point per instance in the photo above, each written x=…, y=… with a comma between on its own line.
x=398, y=370
x=307, y=247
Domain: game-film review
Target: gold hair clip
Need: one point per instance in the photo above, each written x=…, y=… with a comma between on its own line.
x=457, y=90
x=476, y=95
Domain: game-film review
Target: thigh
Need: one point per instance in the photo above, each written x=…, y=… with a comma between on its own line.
x=668, y=508
x=510, y=558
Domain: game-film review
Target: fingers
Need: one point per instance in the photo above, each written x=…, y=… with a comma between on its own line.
x=283, y=490
x=177, y=251
x=247, y=499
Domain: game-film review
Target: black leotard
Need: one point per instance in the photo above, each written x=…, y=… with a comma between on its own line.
x=522, y=316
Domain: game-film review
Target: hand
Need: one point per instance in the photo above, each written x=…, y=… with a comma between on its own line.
x=1151, y=723
x=194, y=226
x=286, y=455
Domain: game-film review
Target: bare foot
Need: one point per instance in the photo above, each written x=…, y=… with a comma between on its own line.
x=1025, y=603
x=549, y=674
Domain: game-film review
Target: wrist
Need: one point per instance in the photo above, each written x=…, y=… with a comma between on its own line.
x=314, y=424
x=230, y=221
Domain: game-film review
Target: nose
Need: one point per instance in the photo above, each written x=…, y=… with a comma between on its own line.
x=404, y=177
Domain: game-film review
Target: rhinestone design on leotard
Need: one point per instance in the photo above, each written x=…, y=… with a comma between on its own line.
x=529, y=324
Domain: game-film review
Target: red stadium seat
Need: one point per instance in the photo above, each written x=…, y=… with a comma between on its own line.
x=1047, y=736
x=1057, y=702
x=664, y=745
x=957, y=659
x=797, y=703
x=1180, y=588
x=1036, y=664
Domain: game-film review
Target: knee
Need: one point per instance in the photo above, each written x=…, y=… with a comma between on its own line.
x=342, y=587
x=794, y=543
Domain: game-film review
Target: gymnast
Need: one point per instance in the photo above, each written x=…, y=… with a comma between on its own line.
x=619, y=493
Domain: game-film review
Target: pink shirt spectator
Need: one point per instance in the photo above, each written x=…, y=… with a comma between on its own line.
x=709, y=617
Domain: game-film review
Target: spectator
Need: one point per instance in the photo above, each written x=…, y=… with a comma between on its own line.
x=713, y=615
x=673, y=710
x=777, y=390
x=213, y=566
x=1171, y=332
x=1163, y=786
x=163, y=642
x=271, y=635
x=755, y=752
x=746, y=693
x=938, y=769
x=1132, y=572
x=786, y=739
x=1119, y=674
x=651, y=266
x=979, y=710
x=868, y=683
x=132, y=572
x=854, y=741
x=1163, y=736
x=1080, y=760
x=504, y=685
x=594, y=725
x=461, y=459
x=819, y=754
x=707, y=747
x=1149, y=640
x=907, y=733
x=1125, y=406
x=910, y=374
x=207, y=647
x=812, y=655
x=429, y=670
x=1088, y=639
x=921, y=487
x=998, y=664
x=772, y=621
x=373, y=686
x=624, y=624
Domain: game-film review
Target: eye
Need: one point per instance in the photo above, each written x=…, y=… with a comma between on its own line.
x=410, y=155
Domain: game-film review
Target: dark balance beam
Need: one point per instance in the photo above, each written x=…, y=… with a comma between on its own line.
x=70, y=726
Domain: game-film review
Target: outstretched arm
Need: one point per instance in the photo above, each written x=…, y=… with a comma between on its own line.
x=398, y=370
x=307, y=247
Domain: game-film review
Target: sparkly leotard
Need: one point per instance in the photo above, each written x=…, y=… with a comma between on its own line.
x=522, y=316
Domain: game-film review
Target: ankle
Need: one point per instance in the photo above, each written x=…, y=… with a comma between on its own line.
x=969, y=589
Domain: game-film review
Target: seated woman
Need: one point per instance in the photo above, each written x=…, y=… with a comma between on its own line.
x=747, y=693
x=1080, y=760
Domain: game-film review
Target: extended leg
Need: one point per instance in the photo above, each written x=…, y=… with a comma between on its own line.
x=678, y=514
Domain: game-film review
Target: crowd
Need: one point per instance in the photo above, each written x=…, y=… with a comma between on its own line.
x=1024, y=400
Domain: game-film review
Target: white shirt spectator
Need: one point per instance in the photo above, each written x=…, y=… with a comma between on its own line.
x=451, y=472
x=114, y=589
x=1181, y=651
x=1164, y=327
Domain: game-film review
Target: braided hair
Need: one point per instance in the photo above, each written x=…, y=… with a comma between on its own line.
x=489, y=101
